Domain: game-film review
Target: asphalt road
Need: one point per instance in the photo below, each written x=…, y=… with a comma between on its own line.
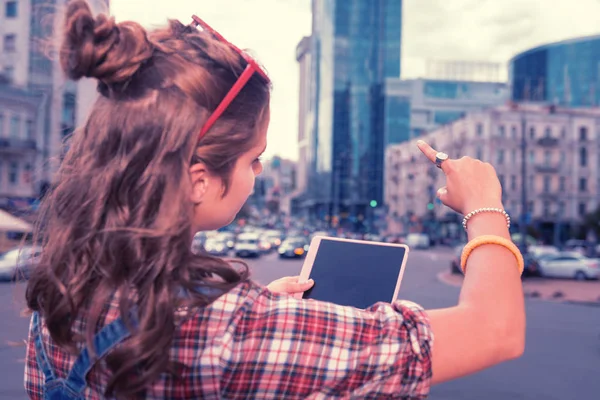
x=561, y=360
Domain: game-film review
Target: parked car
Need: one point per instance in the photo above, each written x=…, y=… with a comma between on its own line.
x=418, y=241
x=228, y=238
x=247, y=245
x=18, y=262
x=274, y=237
x=216, y=246
x=570, y=265
x=293, y=248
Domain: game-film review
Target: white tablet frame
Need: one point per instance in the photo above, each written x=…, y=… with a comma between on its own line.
x=314, y=249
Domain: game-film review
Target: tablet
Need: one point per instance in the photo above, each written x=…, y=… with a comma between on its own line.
x=353, y=272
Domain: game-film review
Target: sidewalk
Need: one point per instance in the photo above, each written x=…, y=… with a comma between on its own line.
x=546, y=289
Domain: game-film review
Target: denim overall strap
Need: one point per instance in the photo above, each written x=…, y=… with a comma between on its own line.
x=40, y=353
x=104, y=341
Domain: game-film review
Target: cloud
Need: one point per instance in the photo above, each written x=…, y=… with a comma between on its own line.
x=488, y=30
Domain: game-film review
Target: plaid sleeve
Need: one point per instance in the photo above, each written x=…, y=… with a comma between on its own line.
x=281, y=347
x=34, y=380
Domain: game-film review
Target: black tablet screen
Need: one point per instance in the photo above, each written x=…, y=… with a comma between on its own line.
x=355, y=274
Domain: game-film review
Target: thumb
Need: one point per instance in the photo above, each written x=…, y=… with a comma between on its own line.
x=302, y=286
x=442, y=194
x=298, y=287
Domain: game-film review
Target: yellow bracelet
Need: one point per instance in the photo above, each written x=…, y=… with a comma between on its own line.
x=491, y=239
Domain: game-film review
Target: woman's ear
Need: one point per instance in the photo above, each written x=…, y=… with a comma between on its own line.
x=200, y=180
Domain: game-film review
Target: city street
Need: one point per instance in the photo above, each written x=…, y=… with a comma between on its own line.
x=562, y=358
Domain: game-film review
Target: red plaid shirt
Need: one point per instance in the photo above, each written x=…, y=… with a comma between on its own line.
x=253, y=344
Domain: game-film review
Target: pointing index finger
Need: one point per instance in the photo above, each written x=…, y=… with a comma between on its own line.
x=426, y=149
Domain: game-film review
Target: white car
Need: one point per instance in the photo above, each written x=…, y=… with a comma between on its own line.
x=417, y=241
x=17, y=263
x=570, y=265
x=216, y=246
x=247, y=245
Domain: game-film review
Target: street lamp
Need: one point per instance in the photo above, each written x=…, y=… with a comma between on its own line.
x=524, y=208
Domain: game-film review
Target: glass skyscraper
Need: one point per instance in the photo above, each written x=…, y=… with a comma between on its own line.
x=355, y=47
x=564, y=73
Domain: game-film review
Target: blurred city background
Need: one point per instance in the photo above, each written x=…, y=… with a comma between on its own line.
x=342, y=157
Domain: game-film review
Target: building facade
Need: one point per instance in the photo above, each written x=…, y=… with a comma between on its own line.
x=355, y=46
x=565, y=73
x=560, y=150
x=21, y=126
x=416, y=106
x=29, y=72
x=462, y=70
x=305, y=137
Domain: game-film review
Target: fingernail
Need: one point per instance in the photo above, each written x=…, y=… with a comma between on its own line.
x=306, y=282
x=420, y=142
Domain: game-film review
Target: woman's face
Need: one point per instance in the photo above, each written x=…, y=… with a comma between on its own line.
x=215, y=210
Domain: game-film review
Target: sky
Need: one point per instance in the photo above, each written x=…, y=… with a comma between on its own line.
x=472, y=30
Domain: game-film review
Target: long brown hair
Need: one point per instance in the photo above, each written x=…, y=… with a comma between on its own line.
x=117, y=220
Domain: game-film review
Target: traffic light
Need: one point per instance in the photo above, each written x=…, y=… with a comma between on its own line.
x=373, y=203
x=430, y=206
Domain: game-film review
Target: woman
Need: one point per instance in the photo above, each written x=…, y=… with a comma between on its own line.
x=121, y=306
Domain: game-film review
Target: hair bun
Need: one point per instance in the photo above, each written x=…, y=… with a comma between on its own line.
x=100, y=48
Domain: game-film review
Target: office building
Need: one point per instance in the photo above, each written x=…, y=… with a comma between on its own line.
x=303, y=56
x=462, y=70
x=565, y=73
x=416, y=106
x=354, y=47
x=561, y=159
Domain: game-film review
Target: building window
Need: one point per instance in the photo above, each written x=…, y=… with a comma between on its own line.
x=501, y=131
x=583, y=134
x=547, y=157
x=501, y=179
x=582, y=209
x=548, y=132
x=13, y=173
x=27, y=173
x=479, y=153
x=1, y=125
x=15, y=126
x=9, y=73
x=532, y=133
x=531, y=156
x=11, y=9
x=479, y=129
x=530, y=207
x=561, y=209
x=561, y=184
x=582, y=184
x=546, y=209
x=531, y=182
x=583, y=157
x=30, y=129
x=513, y=132
x=547, y=184
x=10, y=43
x=513, y=182
x=563, y=157
x=513, y=156
x=500, y=156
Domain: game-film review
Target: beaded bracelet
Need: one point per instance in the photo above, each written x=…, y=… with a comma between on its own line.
x=491, y=239
x=484, y=210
